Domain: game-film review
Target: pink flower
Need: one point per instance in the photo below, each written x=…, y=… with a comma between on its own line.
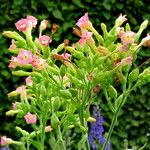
x=66, y=55
x=83, y=21
x=30, y=118
x=14, y=106
x=39, y=63
x=13, y=45
x=48, y=129
x=85, y=37
x=22, y=24
x=28, y=81
x=44, y=40
x=32, y=21
x=21, y=89
x=13, y=62
x=127, y=60
x=5, y=140
x=24, y=57
x=127, y=37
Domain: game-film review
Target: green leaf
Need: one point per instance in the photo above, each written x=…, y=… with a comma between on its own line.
x=36, y=144
x=57, y=14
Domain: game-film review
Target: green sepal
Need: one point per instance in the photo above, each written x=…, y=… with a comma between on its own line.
x=133, y=76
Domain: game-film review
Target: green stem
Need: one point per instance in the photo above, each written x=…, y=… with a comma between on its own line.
x=114, y=120
x=80, y=111
x=61, y=139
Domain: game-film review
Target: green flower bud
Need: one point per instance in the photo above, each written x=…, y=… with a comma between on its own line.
x=133, y=76
x=21, y=73
x=54, y=121
x=66, y=94
x=11, y=112
x=144, y=77
x=62, y=70
x=56, y=103
x=24, y=133
x=142, y=27
x=60, y=47
x=118, y=101
x=112, y=92
x=13, y=93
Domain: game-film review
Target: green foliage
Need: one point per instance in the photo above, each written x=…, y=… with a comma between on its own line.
x=136, y=118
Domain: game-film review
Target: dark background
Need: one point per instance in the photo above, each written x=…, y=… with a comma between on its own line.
x=134, y=122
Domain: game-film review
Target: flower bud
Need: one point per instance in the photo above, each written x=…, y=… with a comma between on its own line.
x=43, y=25
x=21, y=73
x=54, y=121
x=133, y=76
x=11, y=112
x=112, y=92
x=120, y=20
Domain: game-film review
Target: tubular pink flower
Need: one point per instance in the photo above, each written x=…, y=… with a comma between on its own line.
x=5, y=141
x=83, y=21
x=127, y=37
x=13, y=62
x=127, y=60
x=32, y=21
x=14, y=106
x=39, y=63
x=24, y=57
x=21, y=89
x=28, y=81
x=22, y=24
x=30, y=118
x=44, y=40
x=66, y=55
x=85, y=37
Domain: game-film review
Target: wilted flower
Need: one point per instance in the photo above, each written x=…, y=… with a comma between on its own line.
x=5, y=140
x=22, y=24
x=83, y=22
x=44, y=40
x=13, y=62
x=24, y=57
x=30, y=118
x=32, y=21
x=97, y=89
x=86, y=36
x=28, y=81
x=146, y=40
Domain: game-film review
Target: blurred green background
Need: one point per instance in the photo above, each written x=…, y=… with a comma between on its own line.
x=134, y=122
